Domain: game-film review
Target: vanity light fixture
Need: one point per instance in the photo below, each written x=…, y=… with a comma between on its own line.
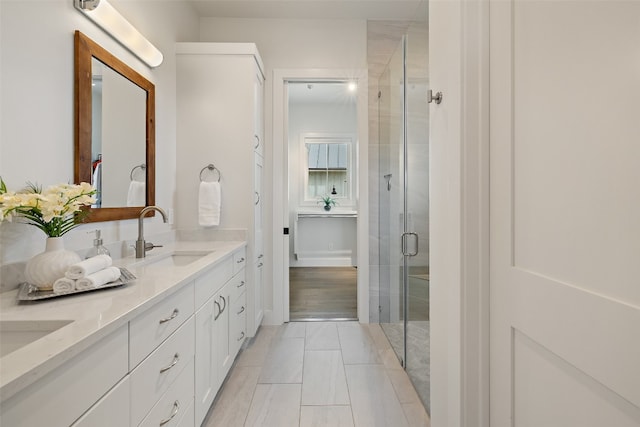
x=352, y=86
x=110, y=20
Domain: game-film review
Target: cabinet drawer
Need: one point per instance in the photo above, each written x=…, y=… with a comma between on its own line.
x=239, y=260
x=159, y=371
x=148, y=330
x=238, y=285
x=64, y=394
x=212, y=280
x=175, y=403
x=112, y=410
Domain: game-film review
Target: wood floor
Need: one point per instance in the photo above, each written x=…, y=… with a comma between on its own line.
x=327, y=293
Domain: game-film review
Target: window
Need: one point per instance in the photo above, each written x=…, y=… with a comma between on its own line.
x=328, y=167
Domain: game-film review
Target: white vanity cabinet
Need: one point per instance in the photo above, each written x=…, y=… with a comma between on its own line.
x=63, y=395
x=220, y=90
x=215, y=323
x=164, y=366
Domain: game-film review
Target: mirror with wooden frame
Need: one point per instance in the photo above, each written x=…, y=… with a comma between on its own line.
x=114, y=132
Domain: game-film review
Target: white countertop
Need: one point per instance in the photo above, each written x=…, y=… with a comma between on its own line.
x=95, y=314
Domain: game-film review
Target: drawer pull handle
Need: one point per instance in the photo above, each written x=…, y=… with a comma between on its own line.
x=215, y=316
x=241, y=336
x=241, y=310
x=257, y=141
x=241, y=284
x=260, y=256
x=176, y=359
x=260, y=265
x=257, y=198
x=173, y=316
x=174, y=412
x=240, y=261
x=224, y=307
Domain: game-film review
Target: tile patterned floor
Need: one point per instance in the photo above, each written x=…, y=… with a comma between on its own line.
x=418, y=363
x=317, y=374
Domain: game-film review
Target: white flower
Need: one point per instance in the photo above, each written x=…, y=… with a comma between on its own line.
x=54, y=210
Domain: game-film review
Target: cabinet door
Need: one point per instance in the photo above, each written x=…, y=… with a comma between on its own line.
x=222, y=308
x=258, y=298
x=205, y=360
x=258, y=99
x=258, y=207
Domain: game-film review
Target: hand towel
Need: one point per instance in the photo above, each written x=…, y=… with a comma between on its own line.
x=209, y=204
x=64, y=285
x=88, y=266
x=137, y=194
x=98, y=279
x=96, y=182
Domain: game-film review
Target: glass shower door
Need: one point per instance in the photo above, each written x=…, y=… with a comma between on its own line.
x=416, y=259
x=404, y=206
x=391, y=102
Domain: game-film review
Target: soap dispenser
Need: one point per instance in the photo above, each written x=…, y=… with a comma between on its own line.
x=98, y=248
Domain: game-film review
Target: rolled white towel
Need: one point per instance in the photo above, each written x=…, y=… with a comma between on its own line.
x=88, y=266
x=98, y=278
x=64, y=285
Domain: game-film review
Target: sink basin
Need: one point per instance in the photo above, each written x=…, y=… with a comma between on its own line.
x=15, y=334
x=174, y=259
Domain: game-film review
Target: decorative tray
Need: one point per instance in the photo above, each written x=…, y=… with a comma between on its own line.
x=29, y=292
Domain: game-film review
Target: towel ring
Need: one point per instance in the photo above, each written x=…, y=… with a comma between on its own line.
x=212, y=169
x=140, y=166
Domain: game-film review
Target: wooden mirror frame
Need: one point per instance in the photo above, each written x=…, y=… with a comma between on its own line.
x=85, y=49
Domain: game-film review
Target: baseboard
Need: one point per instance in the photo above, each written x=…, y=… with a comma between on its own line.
x=323, y=262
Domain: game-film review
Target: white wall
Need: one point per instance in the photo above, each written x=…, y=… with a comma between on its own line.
x=36, y=103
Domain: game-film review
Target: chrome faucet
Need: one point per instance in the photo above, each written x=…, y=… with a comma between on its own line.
x=141, y=246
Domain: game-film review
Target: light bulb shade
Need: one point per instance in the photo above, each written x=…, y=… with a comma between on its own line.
x=109, y=19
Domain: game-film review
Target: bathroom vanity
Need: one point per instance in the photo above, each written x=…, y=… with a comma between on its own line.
x=153, y=352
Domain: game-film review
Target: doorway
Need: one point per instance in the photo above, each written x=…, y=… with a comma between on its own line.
x=322, y=132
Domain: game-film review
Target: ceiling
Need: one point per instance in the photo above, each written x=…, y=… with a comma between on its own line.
x=320, y=93
x=404, y=10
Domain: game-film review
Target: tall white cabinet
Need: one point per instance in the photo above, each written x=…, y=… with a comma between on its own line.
x=220, y=91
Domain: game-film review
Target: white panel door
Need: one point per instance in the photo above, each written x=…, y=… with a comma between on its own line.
x=565, y=213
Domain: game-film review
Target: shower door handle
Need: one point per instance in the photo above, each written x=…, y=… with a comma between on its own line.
x=405, y=251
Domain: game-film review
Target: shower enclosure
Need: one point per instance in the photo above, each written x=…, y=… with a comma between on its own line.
x=403, y=197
